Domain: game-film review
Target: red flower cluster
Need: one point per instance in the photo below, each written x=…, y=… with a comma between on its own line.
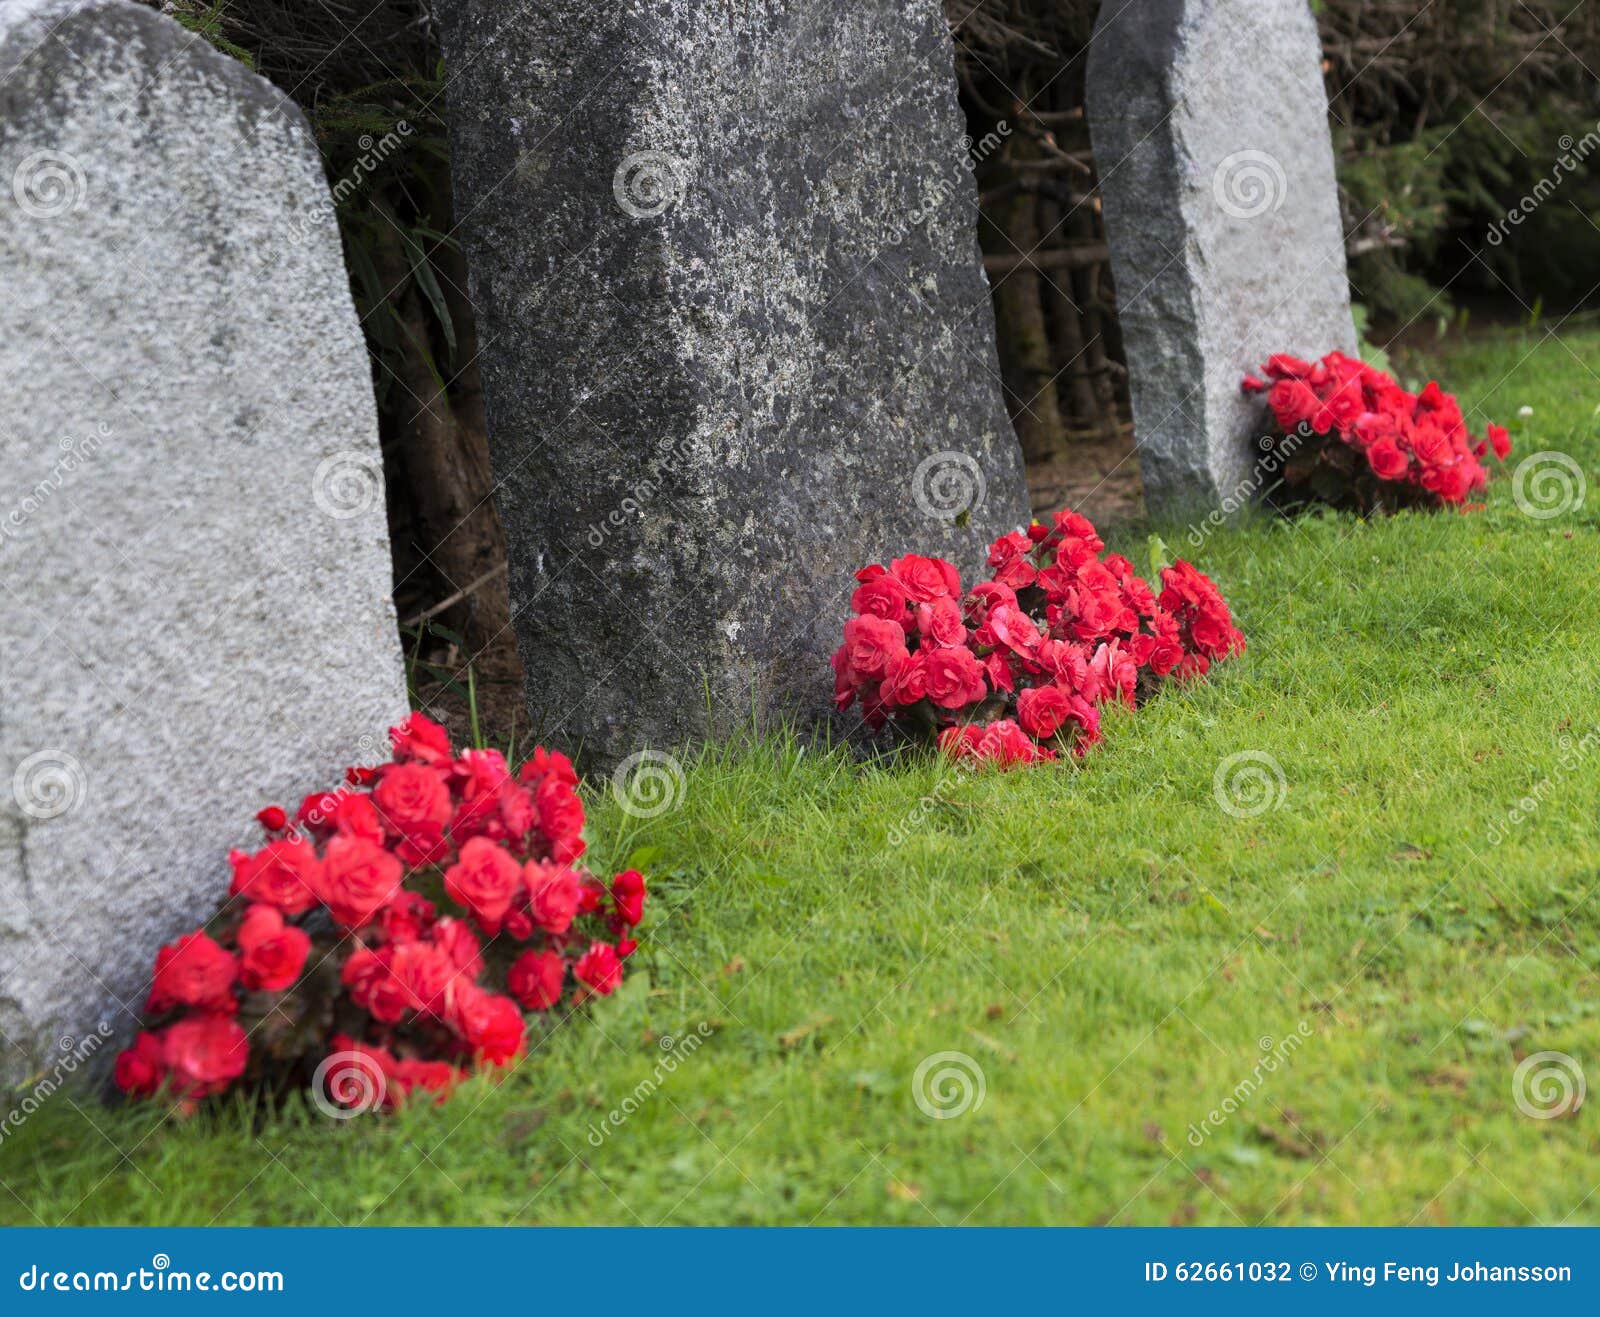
x=1352, y=435
x=329, y=937
x=1016, y=669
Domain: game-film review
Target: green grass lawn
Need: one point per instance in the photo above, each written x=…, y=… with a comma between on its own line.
x=1110, y=949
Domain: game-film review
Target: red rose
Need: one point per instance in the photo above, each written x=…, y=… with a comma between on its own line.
x=599, y=968
x=283, y=873
x=1017, y=574
x=905, y=682
x=1087, y=717
x=926, y=578
x=997, y=668
x=986, y=596
x=426, y=973
x=142, y=1068
x=554, y=894
x=412, y=798
x=546, y=764
x=204, y=1053
x=954, y=677
x=407, y=917
x=1002, y=742
x=1280, y=364
x=422, y=739
x=272, y=953
x=1064, y=661
x=627, y=892
x=354, y=815
x=484, y=880
x=482, y=775
x=1006, y=744
x=1387, y=461
x=358, y=879
x=1075, y=527
x=1042, y=709
x=1500, y=441
x=560, y=813
x=491, y=1025
x=436, y=1077
x=1114, y=673
x=883, y=596
x=1293, y=404
x=872, y=646
x=460, y=943
x=535, y=979
x=1013, y=544
x=518, y=813
x=193, y=971
x=273, y=819
x=316, y=812
x=1010, y=627
x=374, y=986
x=941, y=622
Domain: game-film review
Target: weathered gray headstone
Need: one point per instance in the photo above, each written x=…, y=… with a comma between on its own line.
x=1210, y=129
x=195, y=613
x=737, y=340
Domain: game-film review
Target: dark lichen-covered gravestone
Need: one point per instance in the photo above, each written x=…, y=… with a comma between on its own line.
x=195, y=613
x=737, y=340
x=1210, y=129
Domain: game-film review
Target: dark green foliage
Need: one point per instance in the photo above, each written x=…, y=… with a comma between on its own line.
x=1444, y=117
